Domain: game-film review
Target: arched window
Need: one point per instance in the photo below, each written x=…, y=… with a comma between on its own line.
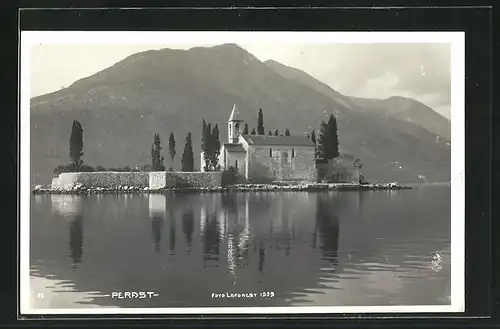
x=293, y=153
x=270, y=152
x=236, y=164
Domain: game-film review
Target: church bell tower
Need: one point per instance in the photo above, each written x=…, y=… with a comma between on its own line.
x=234, y=125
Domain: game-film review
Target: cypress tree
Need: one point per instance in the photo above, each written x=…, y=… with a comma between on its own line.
x=287, y=132
x=260, y=123
x=270, y=133
x=333, y=137
x=208, y=146
x=171, y=148
x=188, y=155
x=203, y=135
x=324, y=142
x=276, y=133
x=157, y=160
x=253, y=132
x=215, y=148
x=76, y=145
x=313, y=137
x=245, y=130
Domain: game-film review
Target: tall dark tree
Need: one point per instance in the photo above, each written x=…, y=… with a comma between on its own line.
x=188, y=155
x=203, y=135
x=270, y=133
x=260, y=123
x=215, y=151
x=245, y=130
x=156, y=157
x=333, y=137
x=313, y=138
x=253, y=132
x=208, y=146
x=76, y=145
x=276, y=133
x=171, y=148
x=287, y=132
x=323, y=142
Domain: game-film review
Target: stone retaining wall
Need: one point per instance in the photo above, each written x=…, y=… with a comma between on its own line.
x=101, y=179
x=168, y=179
x=152, y=180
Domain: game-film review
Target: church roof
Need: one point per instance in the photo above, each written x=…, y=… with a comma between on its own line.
x=235, y=114
x=234, y=147
x=278, y=140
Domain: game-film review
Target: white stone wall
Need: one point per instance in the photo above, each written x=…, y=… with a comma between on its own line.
x=156, y=180
x=184, y=179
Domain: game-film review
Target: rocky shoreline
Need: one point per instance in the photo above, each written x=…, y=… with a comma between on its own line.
x=312, y=187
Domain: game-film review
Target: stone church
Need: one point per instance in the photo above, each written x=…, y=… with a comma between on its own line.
x=263, y=157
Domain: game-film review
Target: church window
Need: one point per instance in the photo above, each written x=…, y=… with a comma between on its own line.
x=236, y=164
x=293, y=153
x=270, y=152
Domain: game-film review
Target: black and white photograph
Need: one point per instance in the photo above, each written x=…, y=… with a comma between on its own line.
x=180, y=172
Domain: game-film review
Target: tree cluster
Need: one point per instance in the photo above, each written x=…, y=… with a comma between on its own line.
x=188, y=155
x=156, y=157
x=210, y=145
x=328, y=142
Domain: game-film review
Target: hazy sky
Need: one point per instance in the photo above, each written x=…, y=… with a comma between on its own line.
x=420, y=71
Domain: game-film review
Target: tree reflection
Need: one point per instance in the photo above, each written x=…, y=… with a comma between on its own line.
x=327, y=227
x=188, y=227
x=211, y=238
x=172, y=230
x=156, y=228
x=76, y=240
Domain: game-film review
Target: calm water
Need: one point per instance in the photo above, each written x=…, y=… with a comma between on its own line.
x=308, y=249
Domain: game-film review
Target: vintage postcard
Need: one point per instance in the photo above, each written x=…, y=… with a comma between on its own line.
x=242, y=172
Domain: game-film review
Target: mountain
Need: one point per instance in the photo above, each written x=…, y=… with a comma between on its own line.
x=404, y=109
x=163, y=91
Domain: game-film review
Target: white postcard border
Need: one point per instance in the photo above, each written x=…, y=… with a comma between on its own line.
x=457, y=41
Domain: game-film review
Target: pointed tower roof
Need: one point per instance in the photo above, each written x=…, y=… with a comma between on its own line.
x=235, y=114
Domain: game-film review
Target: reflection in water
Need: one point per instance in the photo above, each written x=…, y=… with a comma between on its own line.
x=327, y=225
x=156, y=208
x=323, y=248
x=156, y=228
x=211, y=238
x=66, y=205
x=188, y=227
x=172, y=230
x=76, y=240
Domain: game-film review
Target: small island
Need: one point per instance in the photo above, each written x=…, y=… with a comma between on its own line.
x=245, y=162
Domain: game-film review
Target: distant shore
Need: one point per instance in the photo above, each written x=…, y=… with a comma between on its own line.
x=310, y=187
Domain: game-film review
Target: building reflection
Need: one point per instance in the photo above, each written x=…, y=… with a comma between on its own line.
x=156, y=214
x=66, y=205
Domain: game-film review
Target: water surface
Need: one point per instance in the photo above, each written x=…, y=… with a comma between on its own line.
x=307, y=249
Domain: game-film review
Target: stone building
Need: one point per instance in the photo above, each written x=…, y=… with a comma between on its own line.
x=263, y=158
